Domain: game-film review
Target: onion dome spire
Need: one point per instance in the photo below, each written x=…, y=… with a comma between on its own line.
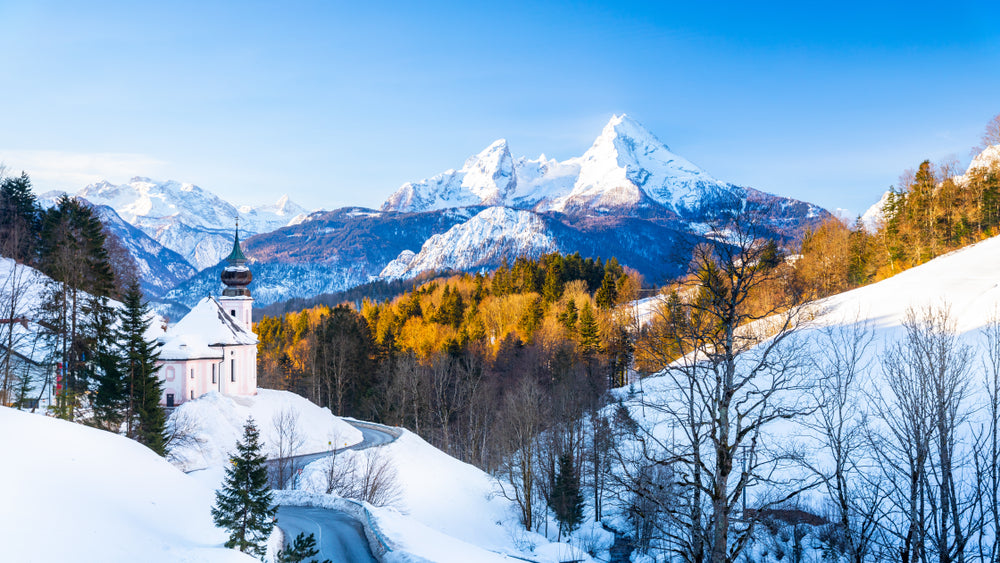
x=236, y=276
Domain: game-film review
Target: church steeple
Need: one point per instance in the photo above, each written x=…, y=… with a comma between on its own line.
x=236, y=257
x=236, y=275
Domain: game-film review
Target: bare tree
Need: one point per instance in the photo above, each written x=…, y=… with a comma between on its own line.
x=988, y=450
x=288, y=440
x=927, y=380
x=733, y=370
x=522, y=421
x=842, y=362
x=377, y=481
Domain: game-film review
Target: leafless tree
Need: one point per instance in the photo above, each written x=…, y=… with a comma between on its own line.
x=288, y=440
x=182, y=435
x=339, y=474
x=987, y=457
x=523, y=415
x=732, y=369
x=842, y=364
x=927, y=377
x=376, y=479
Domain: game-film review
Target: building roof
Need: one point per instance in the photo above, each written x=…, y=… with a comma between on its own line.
x=203, y=332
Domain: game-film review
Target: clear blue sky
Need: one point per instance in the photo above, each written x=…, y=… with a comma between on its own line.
x=340, y=103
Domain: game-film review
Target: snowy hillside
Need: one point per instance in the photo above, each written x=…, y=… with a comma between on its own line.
x=80, y=494
x=966, y=282
x=186, y=218
x=447, y=511
x=215, y=422
x=627, y=167
x=482, y=241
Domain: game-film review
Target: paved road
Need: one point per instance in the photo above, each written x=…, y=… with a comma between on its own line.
x=339, y=537
x=369, y=437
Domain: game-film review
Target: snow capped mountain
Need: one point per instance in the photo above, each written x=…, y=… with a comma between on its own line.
x=484, y=240
x=186, y=218
x=486, y=179
x=626, y=167
x=873, y=216
x=159, y=267
x=627, y=164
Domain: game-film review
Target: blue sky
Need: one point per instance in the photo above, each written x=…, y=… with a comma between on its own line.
x=340, y=103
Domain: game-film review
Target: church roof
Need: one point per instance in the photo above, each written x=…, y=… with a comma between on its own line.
x=203, y=332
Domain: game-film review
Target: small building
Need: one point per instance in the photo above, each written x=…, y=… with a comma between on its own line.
x=213, y=348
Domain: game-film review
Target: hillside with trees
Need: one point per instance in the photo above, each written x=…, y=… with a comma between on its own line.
x=447, y=358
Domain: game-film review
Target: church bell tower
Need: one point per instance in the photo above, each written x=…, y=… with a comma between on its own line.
x=236, y=276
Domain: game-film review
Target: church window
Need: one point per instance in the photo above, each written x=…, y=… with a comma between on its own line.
x=192, y=393
x=192, y=373
x=232, y=370
x=213, y=373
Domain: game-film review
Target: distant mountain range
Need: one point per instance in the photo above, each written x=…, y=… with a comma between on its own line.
x=627, y=196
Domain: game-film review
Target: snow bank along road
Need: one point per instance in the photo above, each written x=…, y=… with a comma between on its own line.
x=339, y=537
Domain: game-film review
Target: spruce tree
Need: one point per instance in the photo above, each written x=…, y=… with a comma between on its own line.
x=146, y=421
x=110, y=398
x=589, y=335
x=243, y=505
x=567, y=499
x=304, y=546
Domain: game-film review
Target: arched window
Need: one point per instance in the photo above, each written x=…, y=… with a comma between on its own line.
x=232, y=370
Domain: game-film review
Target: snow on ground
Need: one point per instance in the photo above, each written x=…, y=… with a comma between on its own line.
x=447, y=510
x=75, y=493
x=216, y=421
x=966, y=281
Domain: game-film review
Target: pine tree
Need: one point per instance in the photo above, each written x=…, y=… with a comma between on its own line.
x=567, y=499
x=243, y=505
x=145, y=418
x=589, y=336
x=110, y=398
x=304, y=546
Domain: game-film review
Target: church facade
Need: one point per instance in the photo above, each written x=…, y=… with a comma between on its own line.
x=213, y=348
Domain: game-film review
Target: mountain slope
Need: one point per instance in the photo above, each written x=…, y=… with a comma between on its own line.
x=187, y=219
x=160, y=268
x=81, y=494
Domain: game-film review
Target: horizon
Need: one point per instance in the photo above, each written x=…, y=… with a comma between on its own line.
x=340, y=105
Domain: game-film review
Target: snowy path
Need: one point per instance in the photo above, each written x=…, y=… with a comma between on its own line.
x=338, y=536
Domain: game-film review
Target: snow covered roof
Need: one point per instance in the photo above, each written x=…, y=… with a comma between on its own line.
x=203, y=332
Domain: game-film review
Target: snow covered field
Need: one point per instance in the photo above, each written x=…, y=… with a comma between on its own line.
x=216, y=421
x=73, y=493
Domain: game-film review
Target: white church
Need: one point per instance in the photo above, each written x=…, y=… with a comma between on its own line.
x=213, y=347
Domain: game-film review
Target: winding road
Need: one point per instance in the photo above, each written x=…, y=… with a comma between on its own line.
x=339, y=537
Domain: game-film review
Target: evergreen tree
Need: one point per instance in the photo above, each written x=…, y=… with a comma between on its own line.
x=304, y=546
x=71, y=251
x=19, y=218
x=567, y=499
x=589, y=336
x=569, y=317
x=146, y=421
x=607, y=294
x=553, y=287
x=110, y=398
x=243, y=505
